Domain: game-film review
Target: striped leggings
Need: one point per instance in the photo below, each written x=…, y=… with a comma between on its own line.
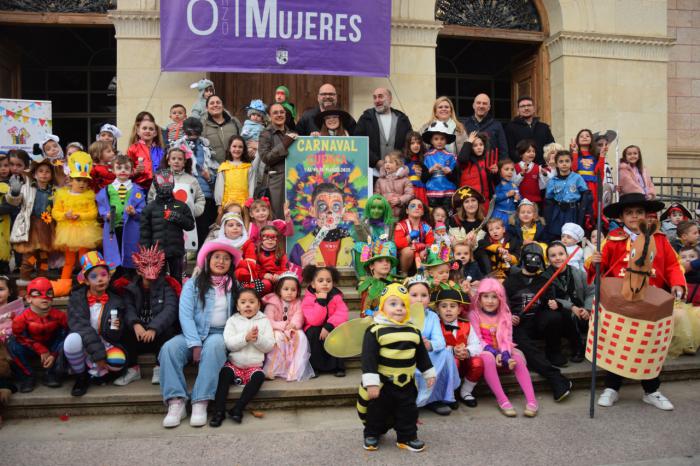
x=79, y=362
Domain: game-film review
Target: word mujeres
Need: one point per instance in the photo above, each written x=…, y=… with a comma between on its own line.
x=205, y=16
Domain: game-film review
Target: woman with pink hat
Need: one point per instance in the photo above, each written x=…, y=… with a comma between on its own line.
x=206, y=302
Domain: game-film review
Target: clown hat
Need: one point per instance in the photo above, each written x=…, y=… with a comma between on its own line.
x=80, y=164
x=676, y=207
x=465, y=192
x=91, y=260
x=379, y=249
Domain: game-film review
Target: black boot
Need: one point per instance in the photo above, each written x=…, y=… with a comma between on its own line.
x=236, y=415
x=217, y=419
x=82, y=382
x=52, y=380
x=26, y=383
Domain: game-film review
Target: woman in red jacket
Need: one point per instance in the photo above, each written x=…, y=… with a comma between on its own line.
x=413, y=234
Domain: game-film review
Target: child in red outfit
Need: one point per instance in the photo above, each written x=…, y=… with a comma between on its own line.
x=102, y=153
x=530, y=185
x=265, y=261
x=39, y=330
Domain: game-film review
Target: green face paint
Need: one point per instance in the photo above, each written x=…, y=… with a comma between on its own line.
x=376, y=211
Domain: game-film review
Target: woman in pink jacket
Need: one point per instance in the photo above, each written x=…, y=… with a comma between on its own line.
x=289, y=359
x=633, y=177
x=324, y=309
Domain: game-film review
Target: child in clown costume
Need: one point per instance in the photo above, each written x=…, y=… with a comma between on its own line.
x=96, y=321
x=387, y=395
x=75, y=213
x=378, y=259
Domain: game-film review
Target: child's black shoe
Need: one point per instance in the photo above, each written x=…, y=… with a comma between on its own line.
x=340, y=373
x=439, y=408
x=237, y=416
x=217, y=419
x=26, y=384
x=82, y=382
x=412, y=445
x=371, y=443
x=52, y=380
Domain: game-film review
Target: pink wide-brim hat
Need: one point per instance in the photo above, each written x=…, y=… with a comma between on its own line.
x=217, y=245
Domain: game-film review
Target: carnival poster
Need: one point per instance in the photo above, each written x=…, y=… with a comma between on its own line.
x=23, y=122
x=327, y=180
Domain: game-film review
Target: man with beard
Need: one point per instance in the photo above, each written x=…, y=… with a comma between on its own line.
x=521, y=286
x=327, y=99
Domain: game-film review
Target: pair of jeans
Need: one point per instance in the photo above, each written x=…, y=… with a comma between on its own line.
x=174, y=356
x=22, y=354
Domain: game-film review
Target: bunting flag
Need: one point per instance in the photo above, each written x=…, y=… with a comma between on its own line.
x=23, y=122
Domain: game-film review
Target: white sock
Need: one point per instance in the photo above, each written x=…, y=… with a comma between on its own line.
x=467, y=388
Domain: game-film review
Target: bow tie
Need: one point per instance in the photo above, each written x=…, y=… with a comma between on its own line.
x=451, y=327
x=97, y=299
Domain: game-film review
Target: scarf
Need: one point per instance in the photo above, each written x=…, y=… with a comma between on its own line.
x=221, y=283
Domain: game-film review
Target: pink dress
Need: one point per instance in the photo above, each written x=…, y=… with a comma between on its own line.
x=289, y=359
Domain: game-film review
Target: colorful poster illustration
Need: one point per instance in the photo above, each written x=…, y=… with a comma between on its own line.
x=328, y=179
x=23, y=122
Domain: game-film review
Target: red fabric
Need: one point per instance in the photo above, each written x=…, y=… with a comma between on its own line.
x=402, y=235
x=329, y=252
x=667, y=269
x=35, y=332
x=92, y=299
x=420, y=193
x=260, y=263
x=471, y=368
x=475, y=175
x=136, y=150
x=102, y=177
x=530, y=186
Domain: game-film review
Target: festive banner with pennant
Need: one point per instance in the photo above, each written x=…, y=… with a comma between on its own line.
x=23, y=122
x=276, y=36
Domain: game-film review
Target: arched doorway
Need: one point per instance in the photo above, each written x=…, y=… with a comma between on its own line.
x=494, y=47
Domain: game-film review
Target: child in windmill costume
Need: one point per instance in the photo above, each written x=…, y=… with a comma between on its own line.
x=379, y=259
x=638, y=267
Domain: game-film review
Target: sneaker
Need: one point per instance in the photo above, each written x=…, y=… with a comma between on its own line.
x=412, y=445
x=82, y=383
x=155, y=378
x=609, y=397
x=530, y=410
x=439, y=408
x=371, y=444
x=507, y=409
x=199, y=413
x=177, y=411
x=132, y=374
x=562, y=389
x=658, y=400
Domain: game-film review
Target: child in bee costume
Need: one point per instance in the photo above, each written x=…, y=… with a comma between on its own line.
x=391, y=350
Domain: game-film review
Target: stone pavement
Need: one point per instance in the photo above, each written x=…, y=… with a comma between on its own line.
x=631, y=432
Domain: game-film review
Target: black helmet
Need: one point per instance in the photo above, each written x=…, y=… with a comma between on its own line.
x=532, y=258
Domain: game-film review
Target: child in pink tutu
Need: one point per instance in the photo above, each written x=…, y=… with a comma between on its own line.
x=289, y=359
x=493, y=321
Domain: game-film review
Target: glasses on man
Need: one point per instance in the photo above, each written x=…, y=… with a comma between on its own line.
x=525, y=105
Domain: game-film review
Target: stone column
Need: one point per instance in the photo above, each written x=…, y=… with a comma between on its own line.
x=608, y=70
x=412, y=80
x=140, y=83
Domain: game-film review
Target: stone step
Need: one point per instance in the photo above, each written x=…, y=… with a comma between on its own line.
x=326, y=390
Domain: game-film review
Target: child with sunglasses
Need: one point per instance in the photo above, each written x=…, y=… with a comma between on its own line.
x=39, y=331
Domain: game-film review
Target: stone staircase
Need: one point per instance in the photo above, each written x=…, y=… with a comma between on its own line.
x=326, y=390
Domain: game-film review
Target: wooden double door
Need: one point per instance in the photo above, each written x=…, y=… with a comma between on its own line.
x=237, y=89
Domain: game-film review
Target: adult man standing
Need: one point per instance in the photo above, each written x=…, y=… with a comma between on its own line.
x=386, y=127
x=527, y=126
x=482, y=122
x=327, y=99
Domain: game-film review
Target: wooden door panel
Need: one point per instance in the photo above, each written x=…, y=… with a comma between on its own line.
x=238, y=89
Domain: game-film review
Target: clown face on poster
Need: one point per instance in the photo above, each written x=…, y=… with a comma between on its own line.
x=280, y=36
x=327, y=186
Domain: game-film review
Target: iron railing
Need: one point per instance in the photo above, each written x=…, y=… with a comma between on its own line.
x=681, y=189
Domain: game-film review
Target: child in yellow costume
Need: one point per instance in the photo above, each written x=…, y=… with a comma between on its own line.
x=75, y=213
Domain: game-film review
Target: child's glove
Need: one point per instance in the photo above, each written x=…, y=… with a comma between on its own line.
x=173, y=216
x=15, y=185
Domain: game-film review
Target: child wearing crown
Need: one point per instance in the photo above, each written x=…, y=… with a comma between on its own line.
x=387, y=396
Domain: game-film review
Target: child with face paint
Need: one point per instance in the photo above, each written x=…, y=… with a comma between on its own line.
x=413, y=235
x=336, y=247
x=120, y=205
x=441, y=398
x=96, y=319
x=378, y=222
x=392, y=350
x=378, y=259
x=75, y=213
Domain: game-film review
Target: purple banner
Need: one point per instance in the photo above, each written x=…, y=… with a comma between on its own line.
x=341, y=37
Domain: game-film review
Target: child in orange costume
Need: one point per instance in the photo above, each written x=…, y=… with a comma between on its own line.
x=75, y=213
